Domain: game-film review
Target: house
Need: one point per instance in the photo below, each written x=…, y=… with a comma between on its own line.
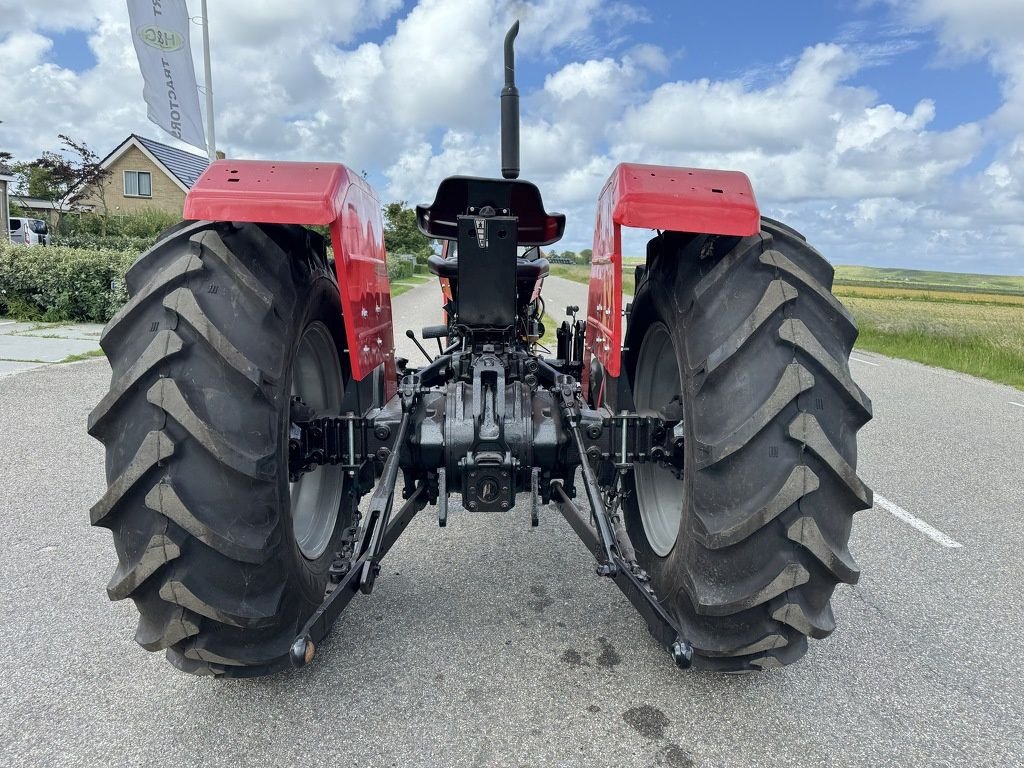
x=5, y=214
x=147, y=175
x=39, y=208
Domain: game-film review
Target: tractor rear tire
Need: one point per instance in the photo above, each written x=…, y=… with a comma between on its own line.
x=747, y=543
x=224, y=325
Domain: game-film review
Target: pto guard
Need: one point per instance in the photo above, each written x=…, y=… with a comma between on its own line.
x=328, y=194
x=654, y=197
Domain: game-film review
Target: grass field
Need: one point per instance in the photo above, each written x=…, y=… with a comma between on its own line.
x=963, y=322
x=922, y=279
x=977, y=337
x=932, y=295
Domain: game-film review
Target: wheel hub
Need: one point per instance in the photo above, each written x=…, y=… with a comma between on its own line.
x=316, y=495
x=659, y=487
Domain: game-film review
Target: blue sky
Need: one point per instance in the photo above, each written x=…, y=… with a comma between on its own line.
x=890, y=131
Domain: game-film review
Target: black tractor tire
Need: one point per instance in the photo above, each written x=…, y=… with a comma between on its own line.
x=195, y=427
x=766, y=495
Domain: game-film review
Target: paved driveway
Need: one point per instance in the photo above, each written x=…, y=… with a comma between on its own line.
x=24, y=346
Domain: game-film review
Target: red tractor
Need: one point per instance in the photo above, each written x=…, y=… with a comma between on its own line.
x=265, y=447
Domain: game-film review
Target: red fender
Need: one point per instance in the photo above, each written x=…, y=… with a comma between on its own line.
x=316, y=194
x=654, y=197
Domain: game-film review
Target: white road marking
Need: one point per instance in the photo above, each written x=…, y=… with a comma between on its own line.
x=1019, y=405
x=899, y=512
x=9, y=322
x=866, y=362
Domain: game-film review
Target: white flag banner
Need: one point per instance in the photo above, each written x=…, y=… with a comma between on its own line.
x=160, y=31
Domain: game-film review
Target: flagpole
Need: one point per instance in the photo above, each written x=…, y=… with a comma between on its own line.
x=211, y=140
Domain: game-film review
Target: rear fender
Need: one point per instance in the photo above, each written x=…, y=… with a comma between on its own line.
x=327, y=194
x=653, y=197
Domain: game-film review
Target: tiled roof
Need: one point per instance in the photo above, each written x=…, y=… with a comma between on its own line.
x=186, y=166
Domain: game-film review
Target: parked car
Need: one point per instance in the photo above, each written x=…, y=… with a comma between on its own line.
x=25, y=231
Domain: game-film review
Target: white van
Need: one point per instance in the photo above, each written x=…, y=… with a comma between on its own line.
x=29, y=231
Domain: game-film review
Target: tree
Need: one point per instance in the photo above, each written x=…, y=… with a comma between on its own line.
x=63, y=181
x=400, y=232
x=571, y=255
x=91, y=174
x=585, y=256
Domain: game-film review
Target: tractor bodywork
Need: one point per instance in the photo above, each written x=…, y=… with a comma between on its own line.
x=661, y=198
x=316, y=194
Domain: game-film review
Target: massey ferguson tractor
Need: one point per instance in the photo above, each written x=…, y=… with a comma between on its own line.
x=265, y=447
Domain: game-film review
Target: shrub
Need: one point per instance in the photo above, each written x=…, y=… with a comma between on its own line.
x=143, y=224
x=400, y=266
x=108, y=243
x=62, y=284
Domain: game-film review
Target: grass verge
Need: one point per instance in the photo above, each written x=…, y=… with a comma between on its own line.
x=90, y=355
x=975, y=355
x=407, y=284
x=972, y=335
x=581, y=274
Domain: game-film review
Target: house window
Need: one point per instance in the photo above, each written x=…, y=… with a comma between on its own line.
x=138, y=184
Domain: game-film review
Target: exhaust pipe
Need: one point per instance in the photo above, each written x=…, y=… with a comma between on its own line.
x=510, y=110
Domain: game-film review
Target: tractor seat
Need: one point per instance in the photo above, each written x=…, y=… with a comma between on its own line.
x=526, y=270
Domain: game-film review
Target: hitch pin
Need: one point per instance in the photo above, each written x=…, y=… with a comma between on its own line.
x=623, y=417
x=351, y=443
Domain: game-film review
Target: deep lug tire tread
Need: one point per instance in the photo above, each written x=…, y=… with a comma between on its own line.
x=771, y=444
x=192, y=428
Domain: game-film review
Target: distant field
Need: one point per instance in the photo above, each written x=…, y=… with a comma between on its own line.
x=951, y=296
x=980, y=338
x=929, y=280
x=963, y=322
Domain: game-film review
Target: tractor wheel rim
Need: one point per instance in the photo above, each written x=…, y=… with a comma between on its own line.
x=316, y=495
x=659, y=492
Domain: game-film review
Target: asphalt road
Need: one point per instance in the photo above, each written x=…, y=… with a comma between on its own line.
x=491, y=643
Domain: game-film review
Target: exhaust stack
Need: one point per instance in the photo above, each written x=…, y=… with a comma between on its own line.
x=510, y=110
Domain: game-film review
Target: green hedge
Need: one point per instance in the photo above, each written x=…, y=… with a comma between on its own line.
x=142, y=224
x=108, y=243
x=62, y=284
x=400, y=266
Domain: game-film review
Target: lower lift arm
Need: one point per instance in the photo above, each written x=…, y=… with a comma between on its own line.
x=377, y=536
x=613, y=549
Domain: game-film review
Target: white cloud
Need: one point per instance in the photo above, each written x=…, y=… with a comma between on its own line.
x=988, y=207
x=257, y=24
x=54, y=15
x=808, y=136
x=417, y=101
x=25, y=47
